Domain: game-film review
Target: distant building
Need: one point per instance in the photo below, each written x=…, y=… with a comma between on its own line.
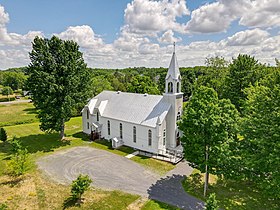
x=145, y=122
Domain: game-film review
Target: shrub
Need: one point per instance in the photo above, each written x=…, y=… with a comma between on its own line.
x=212, y=203
x=79, y=186
x=3, y=134
x=3, y=206
x=16, y=145
x=18, y=164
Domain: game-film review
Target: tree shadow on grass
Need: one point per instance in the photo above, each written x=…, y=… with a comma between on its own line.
x=14, y=182
x=37, y=143
x=231, y=194
x=82, y=136
x=30, y=111
x=169, y=190
x=71, y=202
x=241, y=195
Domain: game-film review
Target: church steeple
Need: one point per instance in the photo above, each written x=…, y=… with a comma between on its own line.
x=173, y=77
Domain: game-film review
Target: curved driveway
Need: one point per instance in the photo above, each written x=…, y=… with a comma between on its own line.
x=111, y=171
x=107, y=170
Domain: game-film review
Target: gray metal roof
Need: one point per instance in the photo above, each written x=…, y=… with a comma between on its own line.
x=173, y=69
x=135, y=108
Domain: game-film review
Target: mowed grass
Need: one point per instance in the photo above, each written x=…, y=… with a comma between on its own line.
x=33, y=191
x=157, y=205
x=12, y=114
x=237, y=195
x=157, y=166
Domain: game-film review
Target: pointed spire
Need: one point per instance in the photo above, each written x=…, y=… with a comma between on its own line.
x=173, y=69
x=158, y=121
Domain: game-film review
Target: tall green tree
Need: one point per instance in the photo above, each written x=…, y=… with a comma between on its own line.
x=261, y=130
x=59, y=81
x=100, y=83
x=15, y=80
x=142, y=84
x=188, y=81
x=209, y=126
x=243, y=72
x=214, y=75
x=7, y=91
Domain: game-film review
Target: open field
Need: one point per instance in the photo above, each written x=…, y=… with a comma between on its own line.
x=12, y=114
x=237, y=195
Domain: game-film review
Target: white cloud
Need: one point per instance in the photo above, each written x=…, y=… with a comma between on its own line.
x=129, y=41
x=4, y=17
x=262, y=13
x=14, y=39
x=168, y=37
x=248, y=37
x=83, y=35
x=148, y=16
x=217, y=16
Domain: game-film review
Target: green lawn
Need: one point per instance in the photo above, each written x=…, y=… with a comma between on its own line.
x=237, y=195
x=12, y=114
x=157, y=205
x=157, y=166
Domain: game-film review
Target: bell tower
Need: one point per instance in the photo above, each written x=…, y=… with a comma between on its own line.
x=174, y=97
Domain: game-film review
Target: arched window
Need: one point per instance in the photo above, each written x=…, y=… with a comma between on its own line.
x=87, y=125
x=164, y=137
x=170, y=87
x=150, y=138
x=134, y=134
x=109, y=127
x=178, y=115
x=97, y=116
x=178, y=87
x=87, y=114
x=121, y=133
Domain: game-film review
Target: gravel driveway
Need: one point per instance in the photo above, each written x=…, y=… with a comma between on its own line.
x=107, y=170
x=111, y=171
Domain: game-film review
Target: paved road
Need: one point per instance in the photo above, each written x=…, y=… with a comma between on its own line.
x=111, y=171
x=16, y=101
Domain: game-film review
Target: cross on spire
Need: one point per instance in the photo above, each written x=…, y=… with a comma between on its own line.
x=174, y=46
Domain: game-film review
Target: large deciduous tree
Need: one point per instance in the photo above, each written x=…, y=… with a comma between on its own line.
x=7, y=91
x=15, y=80
x=215, y=74
x=58, y=80
x=209, y=128
x=142, y=84
x=261, y=131
x=243, y=71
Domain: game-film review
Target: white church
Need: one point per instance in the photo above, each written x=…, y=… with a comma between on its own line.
x=147, y=123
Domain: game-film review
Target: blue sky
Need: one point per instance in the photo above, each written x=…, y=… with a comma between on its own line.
x=124, y=33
